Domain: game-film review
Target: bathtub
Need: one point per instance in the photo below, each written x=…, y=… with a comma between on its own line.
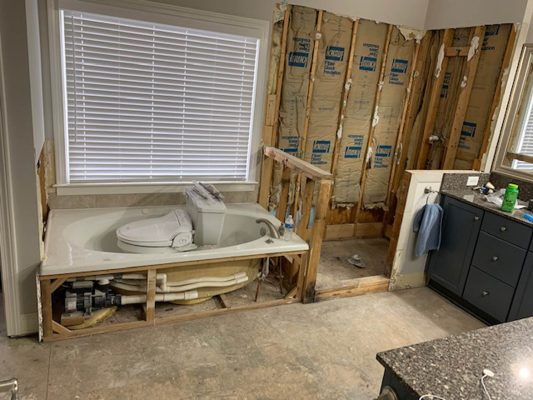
x=83, y=240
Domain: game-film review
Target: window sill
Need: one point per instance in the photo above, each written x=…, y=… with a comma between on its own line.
x=73, y=189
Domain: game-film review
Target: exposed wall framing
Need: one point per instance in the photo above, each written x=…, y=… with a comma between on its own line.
x=366, y=101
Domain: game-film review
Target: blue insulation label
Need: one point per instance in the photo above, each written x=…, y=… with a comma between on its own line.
x=298, y=59
x=292, y=147
x=382, y=156
x=354, y=149
x=321, y=146
x=467, y=131
x=490, y=30
x=334, y=55
x=352, y=152
x=445, y=85
x=368, y=62
x=398, y=71
x=299, y=56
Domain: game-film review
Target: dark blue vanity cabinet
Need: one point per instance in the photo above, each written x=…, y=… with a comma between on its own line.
x=485, y=263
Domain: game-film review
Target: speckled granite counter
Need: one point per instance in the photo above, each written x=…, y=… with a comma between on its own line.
x=452, y=367
x=477, y=199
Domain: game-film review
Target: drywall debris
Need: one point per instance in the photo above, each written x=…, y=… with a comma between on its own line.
x=279, y=12
x=410, y=33
x=474, y=45
x=375, y=118
x=464, y=81
x=440, y=59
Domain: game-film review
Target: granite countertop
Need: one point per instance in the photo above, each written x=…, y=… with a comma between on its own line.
x=452, y=367
x=478, y=199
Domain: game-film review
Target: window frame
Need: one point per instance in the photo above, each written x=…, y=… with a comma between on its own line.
x=165, y=14
x=514, y=118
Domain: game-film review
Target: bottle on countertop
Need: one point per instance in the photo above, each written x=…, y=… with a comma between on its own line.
x=289, y=228
x=510, y=197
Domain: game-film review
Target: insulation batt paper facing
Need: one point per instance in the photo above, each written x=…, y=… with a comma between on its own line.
x=332, y=62
x=296, y=80
x=390, y=108
x=368, y=55
x=493, y=48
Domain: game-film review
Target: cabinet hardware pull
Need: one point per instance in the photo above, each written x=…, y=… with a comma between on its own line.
x=476, y=218
x=484, y=293
x=495, y=258
x=503, y=229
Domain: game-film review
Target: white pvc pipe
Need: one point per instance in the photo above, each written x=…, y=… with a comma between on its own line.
x=141, y=298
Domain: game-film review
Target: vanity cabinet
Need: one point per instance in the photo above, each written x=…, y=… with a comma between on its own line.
x=449, y=266
x=485, y=262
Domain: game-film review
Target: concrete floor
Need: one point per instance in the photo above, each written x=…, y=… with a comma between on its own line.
x=334, y=271
x=324, y=350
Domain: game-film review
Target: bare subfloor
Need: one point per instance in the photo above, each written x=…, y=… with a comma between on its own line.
x=335, y=271
x=324, y=350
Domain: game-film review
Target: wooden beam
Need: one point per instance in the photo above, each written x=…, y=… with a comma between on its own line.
x=371, y=284
x=462, y=102
x=317, y=235
x=311, y=86
x=60, y=329
x=296, y=164
x=344, y=99
x=56, y=284
x=519, y=156
x=434, y=99
x=46, y=307
x=284, y=194
x=456, y=51
x=377, y=97
x=497, y=98
x=270, y=130
x=150, y=295
x=398, y=148
x=416, y=89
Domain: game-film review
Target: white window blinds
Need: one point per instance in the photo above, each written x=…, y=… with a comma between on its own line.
x=153, y=102
x=525, y=145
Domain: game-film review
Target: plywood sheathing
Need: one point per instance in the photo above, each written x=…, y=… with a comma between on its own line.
x=387, y=118
x=368, y=56
x=484, y=98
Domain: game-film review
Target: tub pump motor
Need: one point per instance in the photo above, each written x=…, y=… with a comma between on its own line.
x=84, y=296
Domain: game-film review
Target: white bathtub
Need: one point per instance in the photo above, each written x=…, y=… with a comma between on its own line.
x=84, y=240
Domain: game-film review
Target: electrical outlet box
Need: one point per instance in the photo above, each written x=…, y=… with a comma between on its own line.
x=472, y=181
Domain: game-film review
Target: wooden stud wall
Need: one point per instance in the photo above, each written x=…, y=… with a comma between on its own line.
x=419, y=114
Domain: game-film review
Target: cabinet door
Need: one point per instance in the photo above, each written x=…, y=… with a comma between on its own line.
x=522, y=305
x=450, y=264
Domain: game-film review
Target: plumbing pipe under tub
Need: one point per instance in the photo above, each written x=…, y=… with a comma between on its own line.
x=141, y=298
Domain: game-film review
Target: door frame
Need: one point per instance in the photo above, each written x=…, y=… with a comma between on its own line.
x=8, y=247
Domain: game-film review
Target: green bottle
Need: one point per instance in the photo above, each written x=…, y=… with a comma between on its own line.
x=509, y=198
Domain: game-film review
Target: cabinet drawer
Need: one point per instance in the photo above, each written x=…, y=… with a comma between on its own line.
x=488, y=294
x=499, y=258
x=503, y=228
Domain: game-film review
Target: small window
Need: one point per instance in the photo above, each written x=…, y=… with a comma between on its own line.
x=151, y=102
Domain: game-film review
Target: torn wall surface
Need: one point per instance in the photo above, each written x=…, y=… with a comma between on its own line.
x=368, y=55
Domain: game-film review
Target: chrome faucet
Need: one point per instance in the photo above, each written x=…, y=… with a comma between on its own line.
x=274, y=232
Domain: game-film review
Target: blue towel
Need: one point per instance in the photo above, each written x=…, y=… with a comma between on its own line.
x=428, y=223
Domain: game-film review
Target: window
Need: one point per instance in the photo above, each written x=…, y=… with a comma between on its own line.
x=515, y=154
x=153, y=102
